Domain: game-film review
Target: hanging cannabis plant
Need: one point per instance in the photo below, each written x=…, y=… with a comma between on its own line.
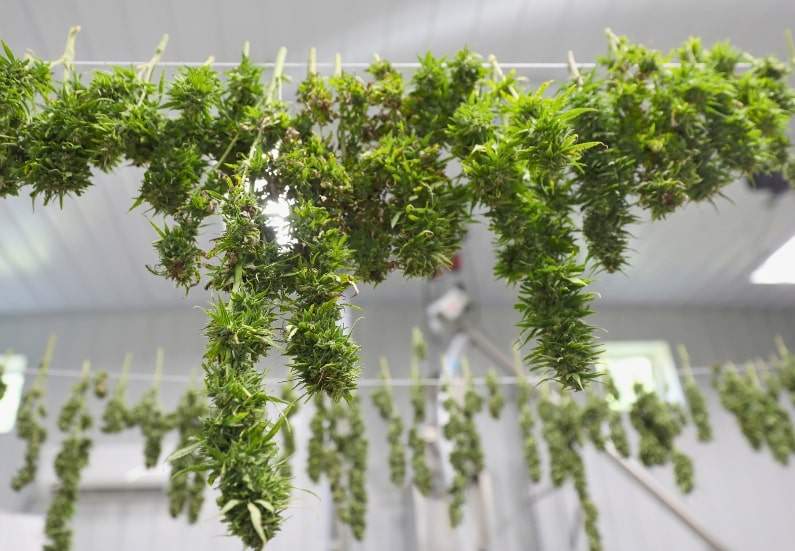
x=562, y=429
x=785, y=367
x=149, y=415
x=672, y=133
x=495, y=400
x=384, y=402
x=74, y=421
x=696, y=402
x=186, y=488
x=30, y=421
x=422, y=477
x=100, y=385
x=117, y=416
x=658, y=424
x=338, y=451
x=516, y=150
x=291, y=404
x=618, y=433
x=524, y=394
x=762, y=420
x=595, y=412
x=462, y=403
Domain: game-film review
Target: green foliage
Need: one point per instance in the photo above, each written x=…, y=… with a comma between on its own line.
x=237, y=443
x=519, y=172
x=595, y=412
x=672, y=134
x=324, y=358
x=615, y=421
x=30, y=421
x=462, y=403
x=422, y=477
x=150, y=417
x=74, y=420
x=75, y=405
x=416, y=390
x=100, y=384
x=696, y=402
x=383, y=175
x=785, y=368
x=117, y=415
x=618, y=434
x=496, y=401
x=526, y=427
x=762, y=419
x=563, y=433
x=384, y=402
x=291, y=407
x=186, y=489
x=658, y=424
x=338, y=451
x=21, y=80
x=316, y=450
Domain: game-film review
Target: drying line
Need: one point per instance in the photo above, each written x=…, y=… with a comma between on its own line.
x=363, y=383
x=351, y=64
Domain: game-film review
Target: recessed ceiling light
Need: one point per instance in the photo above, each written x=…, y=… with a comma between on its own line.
x=779, y=268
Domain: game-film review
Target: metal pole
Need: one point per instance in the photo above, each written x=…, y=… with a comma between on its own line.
x=637, y=473
x=630, y=468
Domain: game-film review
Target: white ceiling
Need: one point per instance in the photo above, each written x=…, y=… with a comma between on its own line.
x=91, y=254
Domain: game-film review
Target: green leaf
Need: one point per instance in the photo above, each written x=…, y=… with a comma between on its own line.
x=229, y=505
x=182, y=452
x=256, y=521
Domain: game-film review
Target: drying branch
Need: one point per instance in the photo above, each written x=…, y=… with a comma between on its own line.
x=74, y=421
x=696, y=402
x=385, y=404
x=30, y=421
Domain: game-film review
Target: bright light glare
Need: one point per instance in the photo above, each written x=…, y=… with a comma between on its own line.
x=779, y=268
x=14, y=378
x=277, y=212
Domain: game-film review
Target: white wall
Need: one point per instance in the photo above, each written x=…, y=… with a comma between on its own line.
x=741, y=496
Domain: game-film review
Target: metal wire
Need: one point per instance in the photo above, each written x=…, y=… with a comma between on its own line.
x=349, y=65
x=363, y=383
x=319, y=64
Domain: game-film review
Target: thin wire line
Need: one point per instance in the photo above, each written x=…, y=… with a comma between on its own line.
x=363, y=383
x=350, y=64
x=320, y=64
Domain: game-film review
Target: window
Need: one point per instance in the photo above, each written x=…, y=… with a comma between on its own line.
x=14, y=378
x=649, y=363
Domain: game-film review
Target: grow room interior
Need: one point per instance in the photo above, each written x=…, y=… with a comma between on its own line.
x=296, y=384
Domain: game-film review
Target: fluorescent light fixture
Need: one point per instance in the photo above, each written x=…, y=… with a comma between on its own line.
x=779, y=268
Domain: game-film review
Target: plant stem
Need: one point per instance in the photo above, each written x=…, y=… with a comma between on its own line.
x=337, y=65
x=68, y=56
x=312, y=65
x=574, y=71
x=145, y=70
